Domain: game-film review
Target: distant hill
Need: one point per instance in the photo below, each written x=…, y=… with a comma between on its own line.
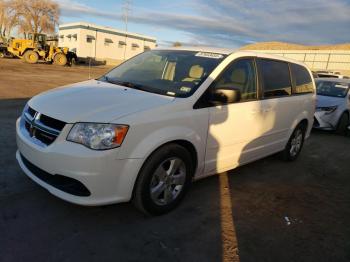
x=290, y=46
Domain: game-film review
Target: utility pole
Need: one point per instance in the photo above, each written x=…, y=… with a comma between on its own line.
x=126, y=10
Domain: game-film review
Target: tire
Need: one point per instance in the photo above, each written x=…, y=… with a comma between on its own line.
x=343, y=123
x=73, y=62
x=2, y=55
x=60, y=59
x=295, y=144
x=31, y=57
x=160, y=187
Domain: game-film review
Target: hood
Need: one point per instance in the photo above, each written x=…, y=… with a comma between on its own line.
x=94, y=101
x=324, y=101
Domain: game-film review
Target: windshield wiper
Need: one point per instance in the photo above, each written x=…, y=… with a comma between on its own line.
x=117, y=82
x=127, y=84
x=132, y=85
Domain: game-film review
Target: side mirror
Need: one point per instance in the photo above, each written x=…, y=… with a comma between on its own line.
x=225, y=95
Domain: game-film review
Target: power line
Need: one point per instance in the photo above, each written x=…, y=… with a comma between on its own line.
x=126, y=8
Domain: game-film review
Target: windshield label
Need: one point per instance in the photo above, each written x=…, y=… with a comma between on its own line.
x=185, y=89
x=341, y=86
x=209, y=55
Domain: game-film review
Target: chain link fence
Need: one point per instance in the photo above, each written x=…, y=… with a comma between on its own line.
x=332, y=60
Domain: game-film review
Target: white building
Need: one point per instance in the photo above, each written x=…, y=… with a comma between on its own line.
x=103, y=43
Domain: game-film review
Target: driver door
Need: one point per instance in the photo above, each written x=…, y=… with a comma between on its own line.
x=234, y=128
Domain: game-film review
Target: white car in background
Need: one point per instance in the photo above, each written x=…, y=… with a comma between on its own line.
x=146, y=129
x=333, y=104
x=327, y=74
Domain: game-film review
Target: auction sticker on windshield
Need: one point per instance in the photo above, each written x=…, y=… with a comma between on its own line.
x=340, y=85
x=209, y=55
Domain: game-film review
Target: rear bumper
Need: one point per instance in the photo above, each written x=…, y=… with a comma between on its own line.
x=106, y=178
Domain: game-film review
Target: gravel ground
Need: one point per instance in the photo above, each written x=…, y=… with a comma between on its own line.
x=265, y=211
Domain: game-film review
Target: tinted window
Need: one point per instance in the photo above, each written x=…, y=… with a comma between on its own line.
x=275, y=78
x=302, y=79
x=240, y=75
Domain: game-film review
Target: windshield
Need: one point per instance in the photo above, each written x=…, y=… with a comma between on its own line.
x=172, y=73
x=335, y=89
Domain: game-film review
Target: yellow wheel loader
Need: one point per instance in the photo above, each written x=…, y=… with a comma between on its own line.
x=36, y=49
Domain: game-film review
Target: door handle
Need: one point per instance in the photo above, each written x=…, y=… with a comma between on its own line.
x=254, y=112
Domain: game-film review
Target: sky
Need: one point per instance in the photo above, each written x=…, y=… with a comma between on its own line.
x=221, y=23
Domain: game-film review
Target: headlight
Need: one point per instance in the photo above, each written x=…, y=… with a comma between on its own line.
x=25, y=108
x=98, y=136
x=327, y=109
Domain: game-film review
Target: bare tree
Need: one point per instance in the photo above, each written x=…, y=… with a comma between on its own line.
x=177, y=44
x=8, y=17
x=37, y=16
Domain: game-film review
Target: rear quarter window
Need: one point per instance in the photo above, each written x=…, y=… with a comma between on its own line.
x=275, y=78
x=301, y=79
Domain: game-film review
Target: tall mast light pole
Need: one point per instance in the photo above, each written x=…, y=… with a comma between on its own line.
x=126, y=10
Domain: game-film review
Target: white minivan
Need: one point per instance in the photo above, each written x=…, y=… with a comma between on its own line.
x=147, y=128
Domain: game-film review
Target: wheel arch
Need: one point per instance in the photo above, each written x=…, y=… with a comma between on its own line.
x=304, y=123
x=28, y=49
x=189, y=146
x=303, y=120
x=347, y=112
x=184, y=143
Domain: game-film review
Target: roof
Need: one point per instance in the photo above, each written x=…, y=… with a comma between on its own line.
x=104, y=29
x=226, y=51
x=337, y=80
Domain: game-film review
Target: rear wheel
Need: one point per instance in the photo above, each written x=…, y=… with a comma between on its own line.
x=31, y=57
x=163, y=180
x=295, y=144
x=60, y=59
x=343, y=124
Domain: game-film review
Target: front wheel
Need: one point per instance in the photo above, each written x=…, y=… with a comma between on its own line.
x=163, y=180
x=343, y=124
x=295, y=144
x=60, y=59
x=31, y=57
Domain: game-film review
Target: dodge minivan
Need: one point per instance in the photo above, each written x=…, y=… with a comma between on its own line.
x=149, y=127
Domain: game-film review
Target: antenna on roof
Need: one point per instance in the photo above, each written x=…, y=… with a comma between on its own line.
x=126, y=10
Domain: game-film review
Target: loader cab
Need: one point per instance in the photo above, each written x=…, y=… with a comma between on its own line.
x=37, y=38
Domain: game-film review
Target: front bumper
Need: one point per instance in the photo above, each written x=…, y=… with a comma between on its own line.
x=325, y=121
x=107, y=178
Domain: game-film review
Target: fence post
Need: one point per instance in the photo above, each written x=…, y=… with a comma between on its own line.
x=329, y=55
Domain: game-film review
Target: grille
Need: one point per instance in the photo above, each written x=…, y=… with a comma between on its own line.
x=66, y=184
x=31, y=111
x=42, y=127
x=51, y=122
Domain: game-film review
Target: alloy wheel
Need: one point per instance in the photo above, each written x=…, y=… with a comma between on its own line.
x=168, y=181
x=296, y=143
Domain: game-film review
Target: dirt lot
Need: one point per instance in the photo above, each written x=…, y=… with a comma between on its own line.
x=20, y=80
x=238, y=216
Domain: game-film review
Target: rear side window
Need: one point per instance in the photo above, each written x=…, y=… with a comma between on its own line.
x=302, y=79
x=275, y=78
